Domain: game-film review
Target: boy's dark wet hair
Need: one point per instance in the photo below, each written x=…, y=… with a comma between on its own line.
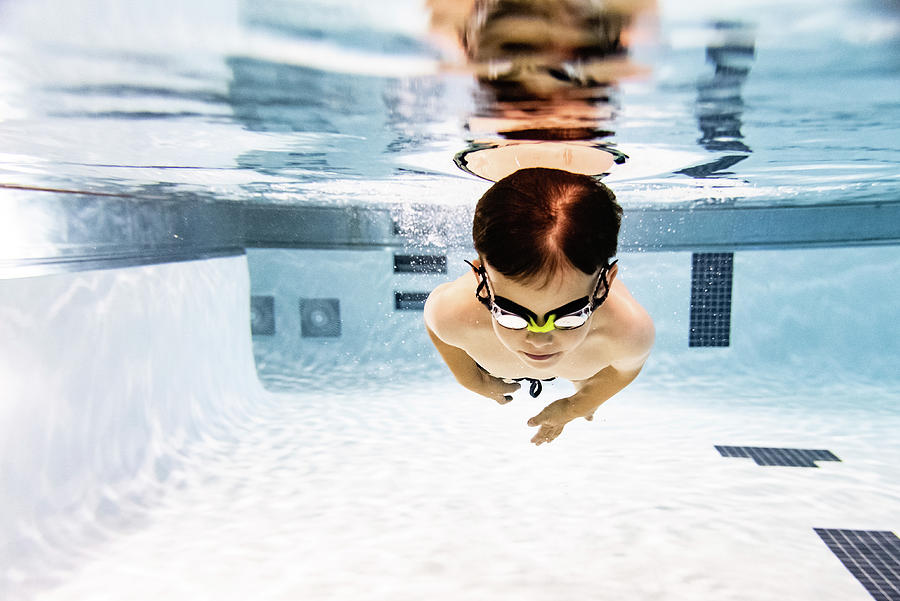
x=534, y=221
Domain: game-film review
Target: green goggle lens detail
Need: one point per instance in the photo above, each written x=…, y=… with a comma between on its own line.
x=547, y=327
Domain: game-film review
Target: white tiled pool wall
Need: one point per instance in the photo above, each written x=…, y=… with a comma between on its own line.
x=108, y=378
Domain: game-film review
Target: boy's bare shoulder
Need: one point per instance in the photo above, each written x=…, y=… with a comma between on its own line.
x=451, y=310
x=634, y=333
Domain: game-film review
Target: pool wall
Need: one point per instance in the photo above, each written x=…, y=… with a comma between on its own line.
x=109, y=377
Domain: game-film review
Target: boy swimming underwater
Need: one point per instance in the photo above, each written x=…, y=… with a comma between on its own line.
x=542, y=300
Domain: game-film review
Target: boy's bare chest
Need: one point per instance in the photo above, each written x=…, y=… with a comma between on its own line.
x=579, y=363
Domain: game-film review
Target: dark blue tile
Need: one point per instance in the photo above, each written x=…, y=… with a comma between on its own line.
x=778, y=456
x=320, y=317
x=420, y=264
x=410, y=301
x=262, y=315
x=872, y=556
x=711, y=284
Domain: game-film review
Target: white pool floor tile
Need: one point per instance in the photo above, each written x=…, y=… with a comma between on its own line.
x=439, y=495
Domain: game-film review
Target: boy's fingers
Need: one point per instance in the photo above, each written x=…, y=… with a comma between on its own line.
x=504, y=398
x=546, y=434
x=511, y=387
x=505, y=394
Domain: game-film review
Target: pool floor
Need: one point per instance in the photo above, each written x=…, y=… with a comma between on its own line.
x=437, y=494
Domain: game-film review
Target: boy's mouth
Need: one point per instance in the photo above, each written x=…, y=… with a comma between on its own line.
x=540, y=357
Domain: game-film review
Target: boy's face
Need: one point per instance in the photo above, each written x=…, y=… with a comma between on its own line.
x=543, y=349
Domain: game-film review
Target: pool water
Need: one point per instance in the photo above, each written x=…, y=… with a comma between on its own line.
x=192, y=411
x=175, y=474
x=307, y=101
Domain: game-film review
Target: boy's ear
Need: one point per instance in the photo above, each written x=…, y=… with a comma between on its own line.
x=614, y=270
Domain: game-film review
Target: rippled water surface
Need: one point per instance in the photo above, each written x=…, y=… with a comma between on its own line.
x=316, y=102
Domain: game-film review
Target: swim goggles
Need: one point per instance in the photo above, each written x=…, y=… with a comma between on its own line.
x=513, y=316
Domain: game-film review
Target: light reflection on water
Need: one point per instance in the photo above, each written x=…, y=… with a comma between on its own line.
x=242, y=101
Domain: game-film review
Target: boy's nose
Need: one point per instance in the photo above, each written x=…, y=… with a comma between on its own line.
x=539, y=339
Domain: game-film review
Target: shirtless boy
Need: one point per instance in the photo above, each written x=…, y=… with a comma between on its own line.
x=543, y=300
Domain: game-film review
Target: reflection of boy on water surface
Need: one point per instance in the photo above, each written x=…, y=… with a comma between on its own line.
x=546, y=73
x=543, y=299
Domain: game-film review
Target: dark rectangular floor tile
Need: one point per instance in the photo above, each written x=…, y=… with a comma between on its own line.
x=872, y=556
x=777, y=456
x=710, y=314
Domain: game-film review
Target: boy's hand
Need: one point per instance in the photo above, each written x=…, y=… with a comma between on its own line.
x=497, y=389
x=555, y=416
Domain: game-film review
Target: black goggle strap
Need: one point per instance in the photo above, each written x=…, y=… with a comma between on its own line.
x=575, y=306
x=502, y=303
x=482, y=285
x=597, y=301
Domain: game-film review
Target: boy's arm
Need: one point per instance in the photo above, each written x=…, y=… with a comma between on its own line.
x=589, y=395
x=469, y=375
x=600, y=387
x=596, y=390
